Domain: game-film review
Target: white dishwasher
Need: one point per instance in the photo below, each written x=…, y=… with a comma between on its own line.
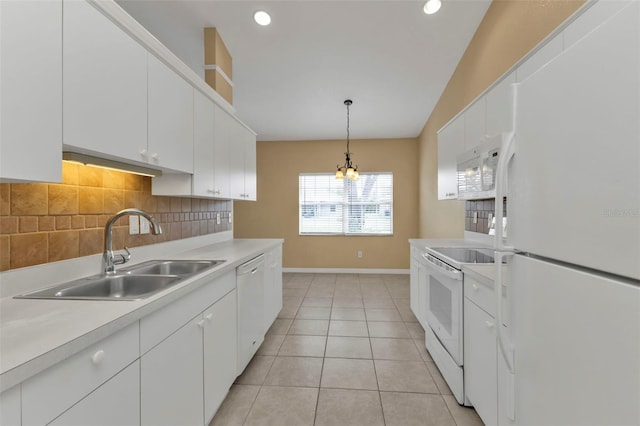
x=250, y=285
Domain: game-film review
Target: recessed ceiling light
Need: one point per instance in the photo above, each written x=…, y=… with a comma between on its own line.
x=262, y=18
x=432, y=6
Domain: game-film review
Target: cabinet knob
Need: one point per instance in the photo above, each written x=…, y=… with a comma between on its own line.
x=200, y=323
x=143, y=153
x=208, y=317
x=211, y=191
x=475, y=287
x=217, y=191
x=489, y=324
x=155, y=156
x=97, y=357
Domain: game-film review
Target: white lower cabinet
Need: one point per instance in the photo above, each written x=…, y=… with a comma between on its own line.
x=10, y=407
x=480, y=355
x=171, y=379
x=272, y=286
x=220, y=352
x=418, y=287
x=115, y=403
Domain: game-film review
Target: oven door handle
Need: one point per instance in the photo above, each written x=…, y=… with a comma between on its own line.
x=442, y=267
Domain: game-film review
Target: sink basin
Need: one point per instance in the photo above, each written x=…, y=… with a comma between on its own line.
x=115, y=287
x=172, y=267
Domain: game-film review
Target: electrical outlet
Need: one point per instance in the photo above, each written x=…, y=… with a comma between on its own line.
x=144, y=225
x=217, y=218
x=230, y=217
x=360, y=254
x=134, y=225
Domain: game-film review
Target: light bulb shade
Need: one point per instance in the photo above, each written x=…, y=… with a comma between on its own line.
x=339, y=174
x=432, y=6
x=350, y=172
x=356, y=175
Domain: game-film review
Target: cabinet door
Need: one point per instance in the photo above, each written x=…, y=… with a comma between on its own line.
x=423, y=295
x=500, y=107
x=10, y=407
x=170, y=118
x=272, y=286
x=250, y=165
x=105, y=85
x=171, y=379
x=414, y=283
x=203, y=145
x=475, y=123
x=236, y=162
x=222, y=140
x=31, y=95
x=480, y=362
x=115, y=403
x=450, y=144
x=220, y=352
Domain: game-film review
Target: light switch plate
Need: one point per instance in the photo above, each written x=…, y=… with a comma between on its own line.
x=134, y=225
x=144, y=225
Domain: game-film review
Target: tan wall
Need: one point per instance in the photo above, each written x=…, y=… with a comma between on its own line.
x=275, y=214
x=508, y=31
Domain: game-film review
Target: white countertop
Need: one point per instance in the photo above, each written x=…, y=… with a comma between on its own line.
x=448, y=242
x=36, y=334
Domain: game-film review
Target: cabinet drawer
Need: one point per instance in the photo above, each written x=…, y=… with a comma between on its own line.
x=161, y=324
x=51, y=392
x=480, y=294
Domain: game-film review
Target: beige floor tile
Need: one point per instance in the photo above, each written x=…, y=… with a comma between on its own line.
x=347, y=279
x=296, y=284
x=349, y=408
x=295, y=371
x=349, y=374
x=402, y=302
x=283, y=406
x=347, y=302
x=256, y=371
x=347, y=293
x=271, y=344
x=288, y=311
x=324, y=279
x=320, y=291
x=378, y=302
x=303, y=346
x=280, y=326
x=407, y=315
x=294, y=292
x=388, y=329
x=463, y=416
x=235, y=407
x=313, y=313
x=348, y=328
x=422, y=350
x=382, y=314
x=408, y=409
x=394, y=349
x=309, y=327
x=442, y=385
x=317, y=302
x=348, y=314
x=415, y=330
x=348, y=347
x=404, y=376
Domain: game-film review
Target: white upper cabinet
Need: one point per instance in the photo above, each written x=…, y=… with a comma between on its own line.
x=540, y=58
x=250, y=166
x=242, y=163
x=170, y=118
x=203, y=145
x=500, y=107
x=105, y=85
x=31, y=91
x=475, y=123
x=450, y=144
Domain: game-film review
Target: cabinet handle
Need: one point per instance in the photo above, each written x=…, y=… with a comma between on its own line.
x=143, y=153
x=155, y=156
x=211, y=191
x=208, y=317
x=97, y=357
x=200, y=323
x=475, y=287
x=489, y=324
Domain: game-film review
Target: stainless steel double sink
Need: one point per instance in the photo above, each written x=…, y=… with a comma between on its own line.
x=134, y=283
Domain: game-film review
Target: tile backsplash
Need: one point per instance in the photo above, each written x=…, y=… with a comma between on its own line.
x=42, y=223
x=483, y=208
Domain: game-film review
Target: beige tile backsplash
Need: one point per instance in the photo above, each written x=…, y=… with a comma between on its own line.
x=42, y=223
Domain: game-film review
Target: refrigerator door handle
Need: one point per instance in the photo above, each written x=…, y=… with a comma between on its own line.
x=507, y=151
x=504, y=342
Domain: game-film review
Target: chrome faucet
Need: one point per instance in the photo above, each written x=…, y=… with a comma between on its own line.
x=109, y=259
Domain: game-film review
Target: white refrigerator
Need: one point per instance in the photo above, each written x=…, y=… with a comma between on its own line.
x=570, y=353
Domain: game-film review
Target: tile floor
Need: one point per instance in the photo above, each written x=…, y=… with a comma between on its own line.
x=345, y=350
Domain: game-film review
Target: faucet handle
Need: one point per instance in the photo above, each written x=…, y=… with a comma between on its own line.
x=120, y=259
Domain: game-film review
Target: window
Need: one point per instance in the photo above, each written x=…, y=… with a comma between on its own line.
x=346, y=207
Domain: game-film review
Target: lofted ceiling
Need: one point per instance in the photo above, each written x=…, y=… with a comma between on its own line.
x=291, y=78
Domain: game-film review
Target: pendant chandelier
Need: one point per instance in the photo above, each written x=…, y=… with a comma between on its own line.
x=347, y=169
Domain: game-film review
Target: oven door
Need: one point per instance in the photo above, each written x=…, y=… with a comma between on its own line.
x=444, y=306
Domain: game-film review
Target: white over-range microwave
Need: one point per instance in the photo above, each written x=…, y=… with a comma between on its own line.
x=477, y=170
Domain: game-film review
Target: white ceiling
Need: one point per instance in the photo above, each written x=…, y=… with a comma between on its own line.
x=292, y=77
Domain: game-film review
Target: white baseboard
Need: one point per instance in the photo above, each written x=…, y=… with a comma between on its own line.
x=346, y=271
